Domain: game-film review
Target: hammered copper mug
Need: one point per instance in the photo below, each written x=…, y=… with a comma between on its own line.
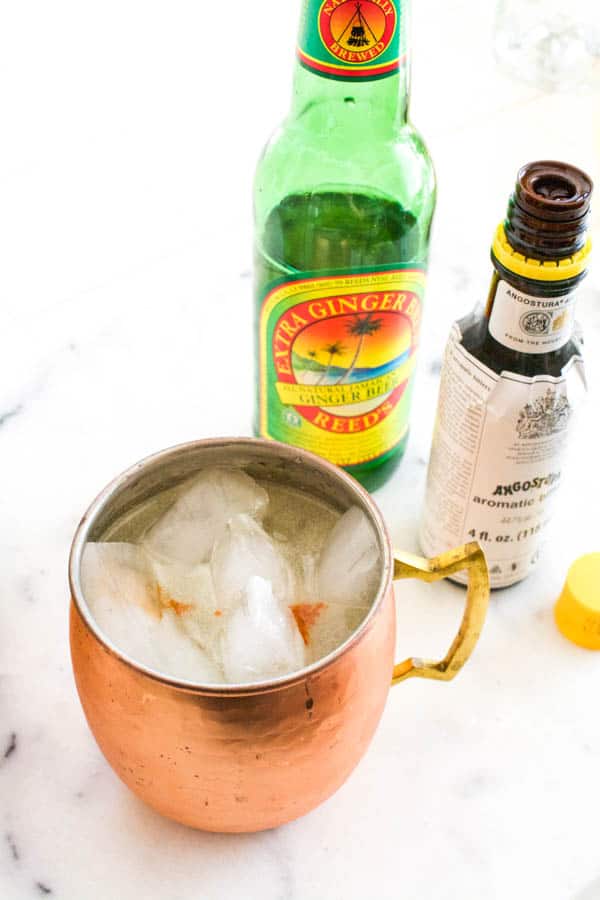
x=249, y=757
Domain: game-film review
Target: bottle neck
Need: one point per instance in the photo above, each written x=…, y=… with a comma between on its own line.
x=540, y=254
x=354, y=52
x=531, y=305
x=531, y=317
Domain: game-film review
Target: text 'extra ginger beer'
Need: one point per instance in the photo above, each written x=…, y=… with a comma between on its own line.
x=344, y=198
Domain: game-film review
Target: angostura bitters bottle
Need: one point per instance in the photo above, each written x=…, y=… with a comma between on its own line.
x=512, y=380
x=344, y=199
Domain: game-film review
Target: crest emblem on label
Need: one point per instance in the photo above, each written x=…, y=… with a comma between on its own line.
x=536, y=322
x=544, y=416
x=357, y=31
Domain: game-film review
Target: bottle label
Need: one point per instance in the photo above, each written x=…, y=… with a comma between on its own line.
x=497, y=460
x=531, y=324
x=352, y=39
x=337, y=356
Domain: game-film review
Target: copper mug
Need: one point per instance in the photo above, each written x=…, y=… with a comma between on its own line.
x=251, y=757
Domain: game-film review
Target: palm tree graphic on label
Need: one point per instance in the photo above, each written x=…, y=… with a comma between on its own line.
x=334, y=349
x=361, y=327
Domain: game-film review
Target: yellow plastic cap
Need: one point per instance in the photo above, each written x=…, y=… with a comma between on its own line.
x=577, y=611
x=538, y=269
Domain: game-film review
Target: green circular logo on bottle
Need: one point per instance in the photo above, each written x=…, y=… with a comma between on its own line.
x=351, y=39
x=356, y=33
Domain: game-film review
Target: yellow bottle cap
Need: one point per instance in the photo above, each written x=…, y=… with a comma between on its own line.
x=538, y=269
x=577, y=611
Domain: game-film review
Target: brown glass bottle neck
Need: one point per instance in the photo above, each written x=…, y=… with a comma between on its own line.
x=548, y=213
x=539, y=239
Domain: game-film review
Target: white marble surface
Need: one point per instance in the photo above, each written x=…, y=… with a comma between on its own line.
x=129, y=138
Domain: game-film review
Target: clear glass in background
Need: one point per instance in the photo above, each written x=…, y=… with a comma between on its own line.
x=548, y=42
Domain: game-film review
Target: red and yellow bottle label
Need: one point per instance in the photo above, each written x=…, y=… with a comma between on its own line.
x=352, y=39
x=337, y=357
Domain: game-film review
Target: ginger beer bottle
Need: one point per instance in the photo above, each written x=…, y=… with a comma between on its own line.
x=344, y=198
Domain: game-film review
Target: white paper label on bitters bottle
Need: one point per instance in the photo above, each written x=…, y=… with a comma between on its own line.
x=497, y=459
x=531, y=324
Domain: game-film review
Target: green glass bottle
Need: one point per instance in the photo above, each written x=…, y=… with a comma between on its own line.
x=344, y=198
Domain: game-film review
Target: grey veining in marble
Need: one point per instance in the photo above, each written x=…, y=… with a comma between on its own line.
x=125, y=228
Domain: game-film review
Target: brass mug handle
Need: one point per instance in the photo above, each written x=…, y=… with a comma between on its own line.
x=471, y=558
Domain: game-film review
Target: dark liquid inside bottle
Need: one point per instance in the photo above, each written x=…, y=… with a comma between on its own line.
x=339, y=232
